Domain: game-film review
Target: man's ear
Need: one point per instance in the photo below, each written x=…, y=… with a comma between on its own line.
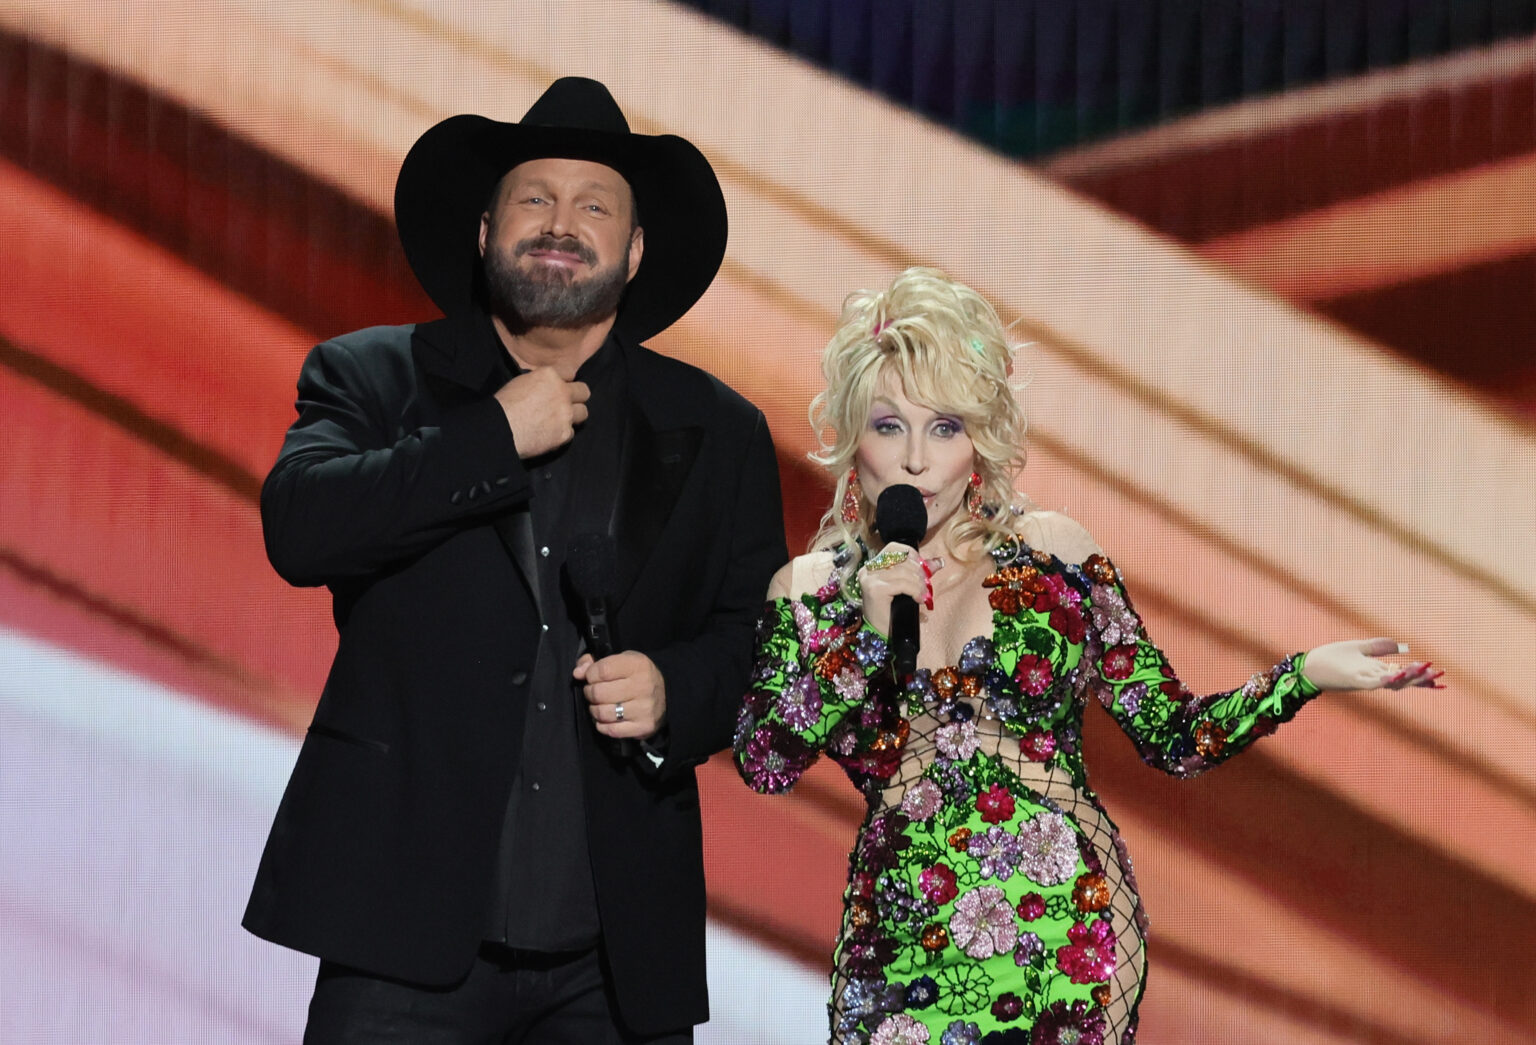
x=485, y=231
x=636, y=250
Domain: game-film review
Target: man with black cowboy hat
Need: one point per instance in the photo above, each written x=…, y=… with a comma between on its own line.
x=470, y=839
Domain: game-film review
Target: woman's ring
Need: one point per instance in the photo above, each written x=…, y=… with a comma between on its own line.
x=618, y=712
x=885, y=560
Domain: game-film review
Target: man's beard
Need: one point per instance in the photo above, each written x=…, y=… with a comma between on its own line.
x=549, y=296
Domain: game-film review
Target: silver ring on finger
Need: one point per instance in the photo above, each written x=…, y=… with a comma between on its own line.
x=618, y=712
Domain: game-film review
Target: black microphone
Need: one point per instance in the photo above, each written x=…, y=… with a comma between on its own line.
x=592, y=564
x=901, y=517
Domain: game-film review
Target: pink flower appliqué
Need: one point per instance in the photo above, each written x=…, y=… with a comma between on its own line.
x=850, y=685
x=1114, y=620
x=1050, y=849
x=922, y=800
x=805, y=623
x=1090, y=957
x=982, y=924
x=957, y=740
x=899, y=1029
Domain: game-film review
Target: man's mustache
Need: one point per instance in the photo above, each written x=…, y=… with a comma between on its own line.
x=568, y=245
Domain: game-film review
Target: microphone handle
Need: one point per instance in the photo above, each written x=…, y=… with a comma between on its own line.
x=600, y=644
x=904, y=632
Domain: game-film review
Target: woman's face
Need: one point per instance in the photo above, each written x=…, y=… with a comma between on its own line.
x=907, y=443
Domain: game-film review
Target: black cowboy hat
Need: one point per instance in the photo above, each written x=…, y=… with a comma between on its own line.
x=446, y=181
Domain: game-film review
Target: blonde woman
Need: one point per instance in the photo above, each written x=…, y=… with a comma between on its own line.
x=989, y=898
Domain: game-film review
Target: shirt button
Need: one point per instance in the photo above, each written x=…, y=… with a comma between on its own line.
x=519, y=677
x=543, y=627
x=544, y=551
x=541, y=706
x=547, y=474
x=536, y=785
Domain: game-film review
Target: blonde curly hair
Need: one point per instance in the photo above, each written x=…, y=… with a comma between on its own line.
x=949, y=350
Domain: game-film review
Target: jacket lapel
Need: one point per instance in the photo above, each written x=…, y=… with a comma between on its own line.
x=462, y=356
x=662, y=440
x=658, y=463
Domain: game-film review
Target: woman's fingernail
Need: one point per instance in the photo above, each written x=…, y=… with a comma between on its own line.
x=1402, y=647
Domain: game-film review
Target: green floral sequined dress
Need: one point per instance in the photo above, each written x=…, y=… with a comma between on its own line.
x=990, y=899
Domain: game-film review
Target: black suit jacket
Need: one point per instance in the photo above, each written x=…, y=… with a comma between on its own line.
x=395, y=487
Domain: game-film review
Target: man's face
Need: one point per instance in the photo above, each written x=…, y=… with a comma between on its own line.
x=560, y=243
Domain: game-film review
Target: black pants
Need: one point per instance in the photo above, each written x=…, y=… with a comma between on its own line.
x=508, y=998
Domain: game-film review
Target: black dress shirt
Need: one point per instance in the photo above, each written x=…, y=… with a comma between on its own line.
x=545, y=898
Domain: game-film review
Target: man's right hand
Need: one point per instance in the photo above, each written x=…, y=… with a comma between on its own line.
x=543, y=409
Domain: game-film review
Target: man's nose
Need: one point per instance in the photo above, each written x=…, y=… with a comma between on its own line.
x=557, y=221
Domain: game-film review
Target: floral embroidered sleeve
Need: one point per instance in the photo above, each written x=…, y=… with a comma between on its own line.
x=815, y=656
x=1175, y=730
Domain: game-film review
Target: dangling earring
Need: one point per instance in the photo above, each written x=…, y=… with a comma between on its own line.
x=852, y=492
x=973, y=502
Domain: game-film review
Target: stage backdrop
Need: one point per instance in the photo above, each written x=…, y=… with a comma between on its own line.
x=1273, y=275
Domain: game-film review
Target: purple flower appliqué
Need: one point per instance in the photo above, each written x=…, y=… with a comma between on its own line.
x=870, y=650
x=843, y=741
x=1074, y=1024
x=866, y=952
x=961, y=1033
x=774, y=759
x=976, y=655
x=982, y=924
x=921, y=993
x=957, y=740
x=922, y=800
x=1131, y=697
x=1028, y=949
x=899, y=1029
x=997, y=852
x=800, y=704
x=882, y=840
x=1049, y=849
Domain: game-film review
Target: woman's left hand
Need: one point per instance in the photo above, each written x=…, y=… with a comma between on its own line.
x=1354, y=664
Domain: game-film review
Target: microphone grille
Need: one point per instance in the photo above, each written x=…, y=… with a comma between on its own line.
x=900, y=515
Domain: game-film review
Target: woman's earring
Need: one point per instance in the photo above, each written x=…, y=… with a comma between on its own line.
x=973, y=502
x=852, y=493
